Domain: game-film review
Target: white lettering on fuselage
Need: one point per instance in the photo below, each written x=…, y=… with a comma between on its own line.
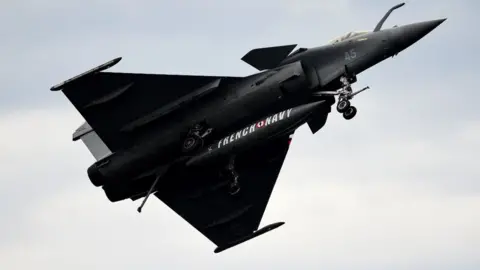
x=252, y=128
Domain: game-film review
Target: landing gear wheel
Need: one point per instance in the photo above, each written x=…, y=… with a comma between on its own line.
x=343, y=105
x=195, y=137
x=350, y=113
x=192, y=143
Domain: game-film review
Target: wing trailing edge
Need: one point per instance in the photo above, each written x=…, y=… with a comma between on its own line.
x=268, y=57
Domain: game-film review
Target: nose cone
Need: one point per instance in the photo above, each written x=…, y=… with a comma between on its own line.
x=404, y=36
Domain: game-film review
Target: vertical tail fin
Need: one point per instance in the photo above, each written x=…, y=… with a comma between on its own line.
x=90, y=138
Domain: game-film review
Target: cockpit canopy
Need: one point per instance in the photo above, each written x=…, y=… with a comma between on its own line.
x=348, y=35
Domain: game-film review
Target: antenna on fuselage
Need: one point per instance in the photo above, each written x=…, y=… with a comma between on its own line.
x=380, y=23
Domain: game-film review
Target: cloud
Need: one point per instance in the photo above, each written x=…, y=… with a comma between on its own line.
x=389, y=204
x=335, y=219
x=37, y=160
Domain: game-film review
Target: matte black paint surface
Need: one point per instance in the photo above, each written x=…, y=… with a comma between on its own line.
x=281, y=123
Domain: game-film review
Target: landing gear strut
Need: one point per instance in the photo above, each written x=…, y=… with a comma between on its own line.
x=232, y=176
x=345, y=95
x=194, y=139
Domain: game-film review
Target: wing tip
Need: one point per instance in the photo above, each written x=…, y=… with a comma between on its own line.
x=249, y=237
x=99, y=68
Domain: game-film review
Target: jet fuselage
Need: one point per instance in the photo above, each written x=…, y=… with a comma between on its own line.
x=290, y=84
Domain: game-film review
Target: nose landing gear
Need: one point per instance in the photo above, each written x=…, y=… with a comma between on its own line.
x=345, y=95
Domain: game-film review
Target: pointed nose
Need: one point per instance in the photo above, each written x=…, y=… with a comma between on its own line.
x=404, y=36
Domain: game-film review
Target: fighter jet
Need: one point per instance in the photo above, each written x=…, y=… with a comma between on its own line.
x=211, y=147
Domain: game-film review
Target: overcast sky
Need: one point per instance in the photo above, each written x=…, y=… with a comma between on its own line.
x=398, y=187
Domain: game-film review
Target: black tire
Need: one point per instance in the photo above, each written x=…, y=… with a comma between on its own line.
x=350, y=113
x=191, y=144
x=343, y=106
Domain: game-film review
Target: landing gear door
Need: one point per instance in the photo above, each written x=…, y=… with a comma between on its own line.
x=311, y=75
x=330, y=73
x=292, y=79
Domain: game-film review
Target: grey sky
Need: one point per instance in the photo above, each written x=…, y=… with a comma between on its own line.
x=398, y=187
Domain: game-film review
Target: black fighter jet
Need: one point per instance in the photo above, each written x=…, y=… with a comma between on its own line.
x=211, y=147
